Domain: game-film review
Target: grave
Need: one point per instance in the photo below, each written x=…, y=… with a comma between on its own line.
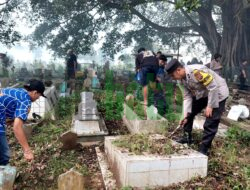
x=137, y=125
x=7, y=177
x=150, y=171
x=44, y=105
x=88, y=125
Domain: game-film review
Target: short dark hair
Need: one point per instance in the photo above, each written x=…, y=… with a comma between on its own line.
x=162, y=57
x=217, y=55
x=159, y=52
x=141, y=49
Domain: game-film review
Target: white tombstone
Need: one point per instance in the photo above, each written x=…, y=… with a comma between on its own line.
x=88, y=108
x=86, y=96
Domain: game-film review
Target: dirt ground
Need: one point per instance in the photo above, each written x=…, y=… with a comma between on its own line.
x=228, y=166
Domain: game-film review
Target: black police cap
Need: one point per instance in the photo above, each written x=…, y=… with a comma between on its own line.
x=172, y=66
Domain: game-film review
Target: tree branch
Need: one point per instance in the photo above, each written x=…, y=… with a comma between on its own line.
x=195, y=25
x=4, y=2
x=158, y=27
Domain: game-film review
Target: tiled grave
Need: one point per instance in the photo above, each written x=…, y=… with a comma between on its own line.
x=136, y=125
x=150, y=171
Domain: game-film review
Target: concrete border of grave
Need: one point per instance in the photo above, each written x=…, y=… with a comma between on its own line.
x=140, y=171
x=90, y=137
x=136, y=125
x=200, y=120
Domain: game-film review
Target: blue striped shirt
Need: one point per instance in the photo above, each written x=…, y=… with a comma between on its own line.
x=14, y=103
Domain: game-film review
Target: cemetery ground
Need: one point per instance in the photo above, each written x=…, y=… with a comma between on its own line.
x=228, y=164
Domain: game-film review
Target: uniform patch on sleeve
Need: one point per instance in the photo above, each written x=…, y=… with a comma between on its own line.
x=203, y=77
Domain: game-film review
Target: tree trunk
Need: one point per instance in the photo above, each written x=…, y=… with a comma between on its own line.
x=208, y=30
x=234, y=45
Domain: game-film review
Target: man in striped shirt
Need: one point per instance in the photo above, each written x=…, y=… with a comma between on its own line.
x=15, y=105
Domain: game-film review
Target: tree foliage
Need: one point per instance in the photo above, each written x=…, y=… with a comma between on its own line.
x=223, y=25
x=8, y=34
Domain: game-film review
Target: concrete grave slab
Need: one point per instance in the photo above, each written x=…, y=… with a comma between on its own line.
x=7, y=177
x=136, y=125
x=151, y=171
x=89, y=131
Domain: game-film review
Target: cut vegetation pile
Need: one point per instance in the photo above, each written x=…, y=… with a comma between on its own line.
x=147, y=144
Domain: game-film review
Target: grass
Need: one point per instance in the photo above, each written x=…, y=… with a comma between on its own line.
x=50, y=160
x=143, y=143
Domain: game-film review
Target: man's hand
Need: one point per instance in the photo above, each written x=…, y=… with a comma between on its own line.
x=208, y=112
x=183, y=122
x=28, y=155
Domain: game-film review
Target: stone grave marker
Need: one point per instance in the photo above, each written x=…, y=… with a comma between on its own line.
x=69, y=140
x=71, y=180
x=87, y=108
x=7, y=177
x=87, y=83
x=86, y=96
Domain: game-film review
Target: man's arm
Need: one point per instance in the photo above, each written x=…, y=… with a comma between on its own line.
x=187, y=102
x=20, y=135
x=244, y=73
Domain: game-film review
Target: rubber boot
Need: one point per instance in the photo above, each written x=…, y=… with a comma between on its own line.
x=185, y=139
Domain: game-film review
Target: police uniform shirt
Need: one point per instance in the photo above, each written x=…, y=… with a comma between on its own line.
x=14, y=103
x=202, y=82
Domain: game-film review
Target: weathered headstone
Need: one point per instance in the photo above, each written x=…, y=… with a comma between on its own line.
x=69, y=140
x=87, y=83
x=71, y=180
x=7, y=177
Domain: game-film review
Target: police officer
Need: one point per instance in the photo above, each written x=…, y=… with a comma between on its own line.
x=203, y=88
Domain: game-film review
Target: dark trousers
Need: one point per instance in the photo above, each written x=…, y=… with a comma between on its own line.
x=4, y=150
x=211, y=124
x=160, y=102
x=242, y=83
